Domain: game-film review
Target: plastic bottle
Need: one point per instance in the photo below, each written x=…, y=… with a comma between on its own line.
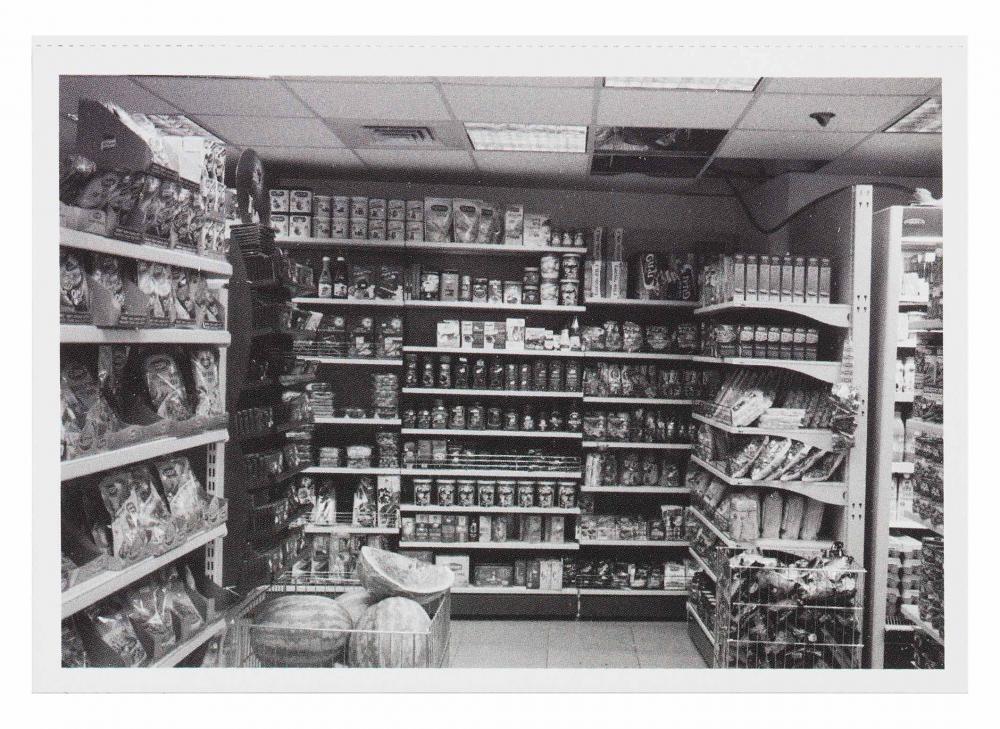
x=325, y=287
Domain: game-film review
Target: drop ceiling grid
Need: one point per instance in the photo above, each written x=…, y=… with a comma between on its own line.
x=188, y=97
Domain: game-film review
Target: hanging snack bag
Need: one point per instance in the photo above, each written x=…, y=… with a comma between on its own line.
x=129, y=541
x=437, y=219
x=208, y=393
x=166, y=387
x=185, y=310
x=185, y=496
x=87, y=418
x=151, y=620
x=154, y=517
x=74, y=295
x=116, y=632
x=466, y=220
x=156, y=284
x=364, y=505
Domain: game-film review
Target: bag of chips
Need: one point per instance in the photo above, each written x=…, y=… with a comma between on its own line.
x=166, y=387
x=74, y=294
x=151, y=620
x=116, y=632
x=74, y=655
x=87, y=418
x=208, y=394
x=185, y=496
x=188, y=620
x=631, y=337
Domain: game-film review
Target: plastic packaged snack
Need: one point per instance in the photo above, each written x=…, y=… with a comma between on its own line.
x=791, y=522
x=744, y=459
x=208, y=395
x=116, y=632
x=593, y=339
x=185, y=310
x=823, y=468
x=178, y=601
x=364, y=505
x=812, y=520
x=770, y=458
x=185, y=496
x=151, y=620
x=87, y=417
x=631, y=337
x=612, y=336
x=166, y=387
x=74, y=655
x=466, y=220
x=74, y=294
x=156, y=284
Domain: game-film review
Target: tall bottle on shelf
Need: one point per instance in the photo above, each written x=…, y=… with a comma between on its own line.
x=340, y=278
x=325, y=287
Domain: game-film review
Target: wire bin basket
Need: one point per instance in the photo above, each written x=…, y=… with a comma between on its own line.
x=790, y=616
x=247, y=645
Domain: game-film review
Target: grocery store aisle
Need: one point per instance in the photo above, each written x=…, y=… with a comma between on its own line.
x=571, y=644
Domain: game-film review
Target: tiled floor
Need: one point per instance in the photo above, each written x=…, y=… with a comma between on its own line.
x=571, y=644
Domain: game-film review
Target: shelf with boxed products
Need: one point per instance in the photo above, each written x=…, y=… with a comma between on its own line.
x=490, y=473
x=431, y=508
x=815, y=437
x=88, y=592
x=511, y=545
x=634, y=490
x=606, y=444
x=703, y=565
x=489, y=306
x=88, y=334
x=495, y=352
x=633, y=543
x=834, y=493
x=285, y=241
x=636, y=400
x=834, y=315
x=387, y=422
x=358, y=303
x=650, y=356
x=447, y=391
x=142, y=251
x=786, y=545
x=354, y=361
x=487, y=249
x=106, y=460
x=642, y=303
x=449, y=433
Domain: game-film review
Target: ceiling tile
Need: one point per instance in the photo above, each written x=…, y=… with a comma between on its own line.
x=547, y=163
x=666, y=108
x=788, y=145
x=547, y=81
x=848, y=86
x=372, y=100
x=402, y=159
x=892, y=154
x=521, y=104
x=310, y=156
x=363, y=79
x=853, y=113
x=447, y=134
x=238, y=96
x=120, y=90
x=249, y=131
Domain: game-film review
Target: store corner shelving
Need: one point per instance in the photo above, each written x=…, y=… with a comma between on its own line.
x=840, y=228
x=106, y=583
x=891, y=242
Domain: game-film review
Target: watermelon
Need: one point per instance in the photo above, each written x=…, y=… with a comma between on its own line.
x=355, y=602
x=392, y=633
x=299, y=631
x=387, y=574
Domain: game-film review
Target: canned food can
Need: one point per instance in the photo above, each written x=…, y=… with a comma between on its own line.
x=414, y=231
x=359, y=228
x=567, y=494
x=322, y=206
x=465, y=288
x=340, y=228
x=321, y=227
x=487, y=492
x=466, y=492
x=530, y=295
x=340, y=206
x=571, y=266
x=376, y=230
x=359, y=208
x=546, y=494
x=445, y=492
x=395, y=230
x=415, y=211
x=549, y=267
x=376, y=208
x=396, y=210
x=525, y=494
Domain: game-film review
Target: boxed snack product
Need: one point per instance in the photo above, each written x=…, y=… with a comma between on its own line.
x=74, y=293
x=488, y=223
x=437, y=219
x=155, y=282
x=466, y=220
x=536, y=229
x=299, y=226
x=300, y=202
x=513, y=229
x=279, y=201
x=448, y=333
x=458, y=564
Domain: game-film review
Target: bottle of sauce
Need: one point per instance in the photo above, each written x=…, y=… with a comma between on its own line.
x=340, y=278
x=325, y=287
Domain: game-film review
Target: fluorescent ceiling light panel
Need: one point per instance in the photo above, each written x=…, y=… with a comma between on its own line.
x=681, y=82
x=925, y=119
x=527, y=137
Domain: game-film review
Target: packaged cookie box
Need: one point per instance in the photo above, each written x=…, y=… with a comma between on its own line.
x=493, y=575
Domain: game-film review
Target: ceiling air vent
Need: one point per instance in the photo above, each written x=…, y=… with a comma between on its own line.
x=403, y=136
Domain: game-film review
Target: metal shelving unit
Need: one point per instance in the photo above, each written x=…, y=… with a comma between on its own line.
x=889, y=245
x=106, y=583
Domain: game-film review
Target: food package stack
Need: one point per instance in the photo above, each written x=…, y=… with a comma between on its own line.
x=931, y=602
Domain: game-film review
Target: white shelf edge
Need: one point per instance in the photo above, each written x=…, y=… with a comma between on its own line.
x=633, y=490
x=512, y=590
x=106, y=460
x=643, y=303
x=89, y=334
x=704, y=565
x=653, y=356
x=626, y=592
x=697, y=618
x=512, y=545
x=192, y=644
x=361, y=303
x=497, y=352
x=636, y=400
x=835, y=315
x=832, y=492
x=449, y=433
x=413, y=508
x=355, y=361
x=816, y=437
x=491, y=473
x=602, y=444
x=341, y=470
x=388, y=422
x=80, y=240
x=448, y=391
x=347, y=529
x=666, y=543
x=107, y=583
x=489, y=306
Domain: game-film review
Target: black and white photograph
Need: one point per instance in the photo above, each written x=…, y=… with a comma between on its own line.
x=501, y=370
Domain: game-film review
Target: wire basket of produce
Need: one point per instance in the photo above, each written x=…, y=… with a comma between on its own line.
x=776, y=613
x=398, y=616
